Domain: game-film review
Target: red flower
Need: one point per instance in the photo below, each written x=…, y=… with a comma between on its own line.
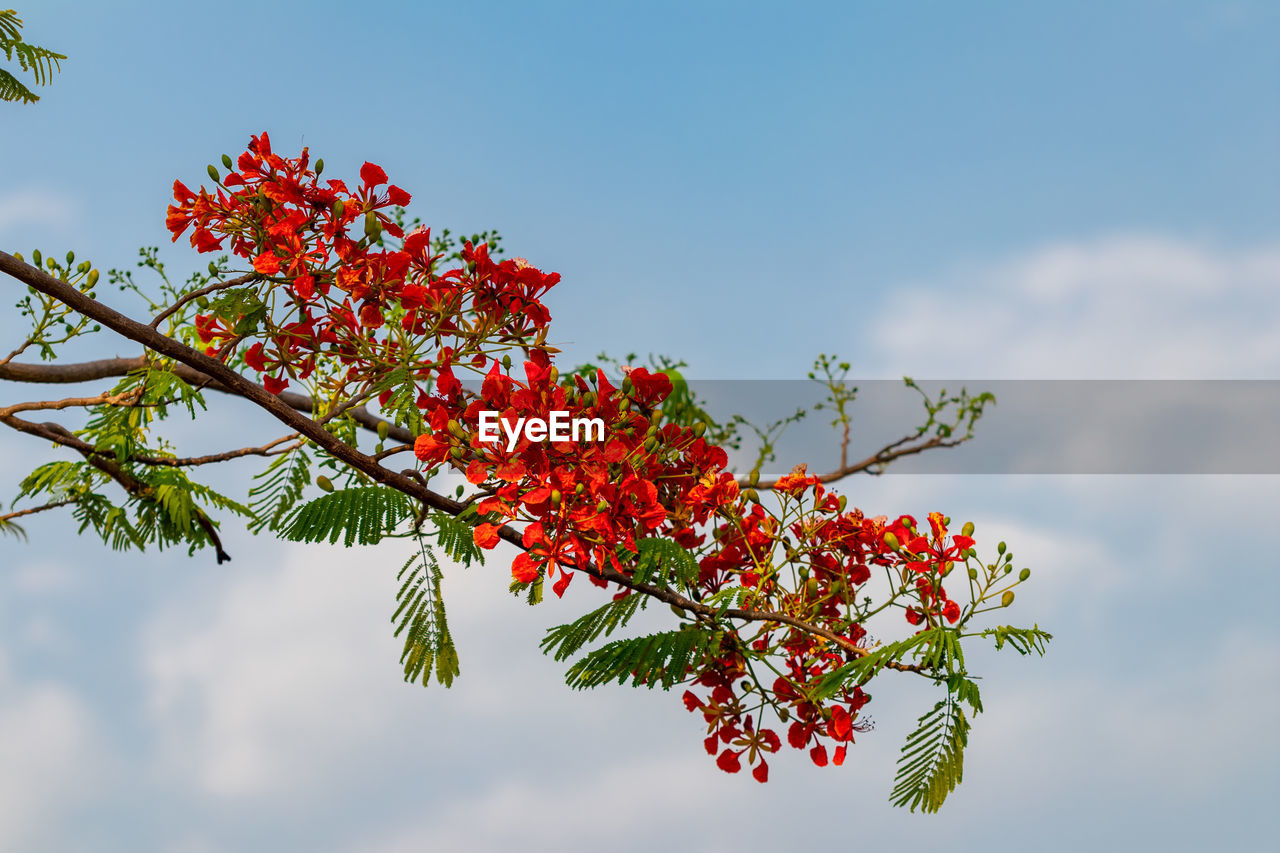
x=372, y=175
x=728, y=762
x=486, y=536
x=524, y=568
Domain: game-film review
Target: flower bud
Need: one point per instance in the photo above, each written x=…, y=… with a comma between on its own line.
x=92, y=280
x=811, y=588
x=1024, y=574
x=967, y=530
x=650, y=444
x=602, y=505
x=319, y=166
x=213, y=268
x=754, y=477
x=506, y=362
x=372, y=227
x=973, y=574
x=1000, y=548
x=751, y=495
x=1007, y=598
x=698, y=429
x=384, y=429
x=556, y=497
x=843, y=502
x=226, y=161
x=579, y=489
x=455, y=429
x=71, y=258
x=456, y=453
x=213, y=173
x=555, y=375
x=338, y=207
x=324, y=483
x=891, y=540
x=36, y=258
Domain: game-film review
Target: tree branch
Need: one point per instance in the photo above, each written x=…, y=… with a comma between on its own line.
x=287, y=414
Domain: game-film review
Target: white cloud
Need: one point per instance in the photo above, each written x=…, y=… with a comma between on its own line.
x=286, y=678
x=1128, y=306
x=631, y=805
x=32, y=206
x=1183, y=734
x=47, y=757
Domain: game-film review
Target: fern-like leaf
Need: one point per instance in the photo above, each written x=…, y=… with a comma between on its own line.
x=420, y=616
x=565, y=640
x=455, y=535
x=12, y=528
x=361, y=515
x=40, y=61
x=11, y=89
x=278, y=488
x=657, y=659
x=932, y=761
x=660, y=562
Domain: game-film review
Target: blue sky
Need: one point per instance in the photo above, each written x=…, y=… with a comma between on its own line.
x=980, y=190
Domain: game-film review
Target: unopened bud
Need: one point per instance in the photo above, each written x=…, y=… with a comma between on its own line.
x=213, y=173
x=698, y=429
x=384, y=429
x=973, y=574
x=967, y=530
x=1000, y=548
x=1024, y=574
x=556, y=497
x=338, y=207
x=751, y=495
x=36, y=258
x=372, y=227
x=213, y=268
x=226, y=161
x=844, y=502
x=650, y=443
x=579, y=489
x=92, y=280
x=754, y=477
x=891, y=540
x=1007, y=598
x=602, y=505
x=319, y=166
x=71, y=258
x=324, y=483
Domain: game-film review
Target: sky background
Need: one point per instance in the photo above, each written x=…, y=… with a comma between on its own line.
x=977, y=191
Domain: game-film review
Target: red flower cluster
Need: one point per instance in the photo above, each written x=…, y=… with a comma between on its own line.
x=338, y=288
x=377, y=311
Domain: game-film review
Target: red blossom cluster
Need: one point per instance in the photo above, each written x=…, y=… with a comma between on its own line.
x=339, y=289
x=582, y=504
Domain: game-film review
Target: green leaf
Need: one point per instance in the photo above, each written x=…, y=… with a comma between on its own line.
x=361, y=515
x=1022, y=640
x=278, y=488
x=932, y=760
x=660, y=562
x=420, y=617
x=565, y=640
x=657, y=659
